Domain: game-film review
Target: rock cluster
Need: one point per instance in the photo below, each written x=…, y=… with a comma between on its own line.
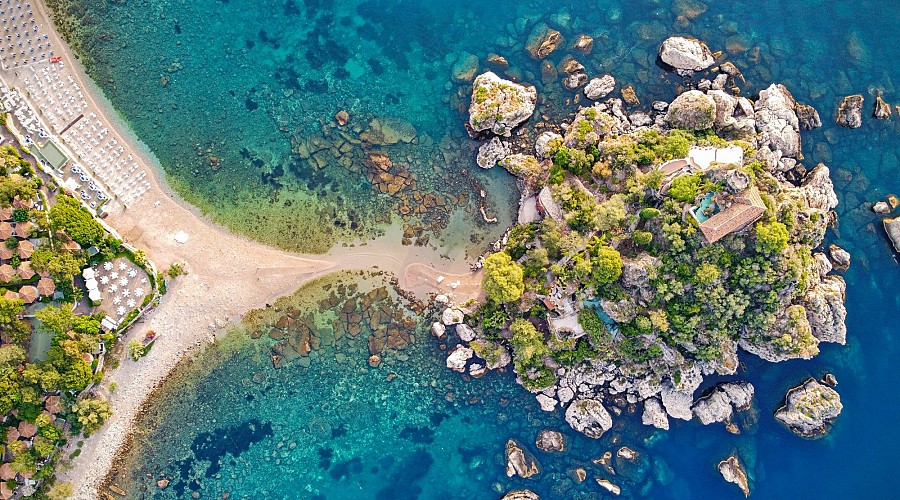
x=850, y=111
x=589, y=417
x=810, y=409
x=721, y=403
x=519, y=462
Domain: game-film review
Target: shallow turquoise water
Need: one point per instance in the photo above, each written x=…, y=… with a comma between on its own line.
x=223, y=58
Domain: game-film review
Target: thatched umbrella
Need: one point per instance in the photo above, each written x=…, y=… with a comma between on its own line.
x=24, y=229
x=71, y=246
x=6, y=253
x=25, y=271
x=6, y=213
x=6, y=273
x=27, y=429
x=25, y=249
x=18, y=202
x=46, y=287
x=28, y=293
x=6, y=472
x=6, y=230
x=11, y=295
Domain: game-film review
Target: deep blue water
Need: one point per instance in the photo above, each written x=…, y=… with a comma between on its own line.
x=244, y=77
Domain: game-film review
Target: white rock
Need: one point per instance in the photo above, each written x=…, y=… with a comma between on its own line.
x=547, y=403
x=466, y=334
x=598, y=88
x=589, y=417
x=438, y=329
x=654, y=414
x=458, y=357
x=686, y=53
x=452, y=316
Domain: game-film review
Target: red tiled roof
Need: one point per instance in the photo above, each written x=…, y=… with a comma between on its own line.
x=747, y=208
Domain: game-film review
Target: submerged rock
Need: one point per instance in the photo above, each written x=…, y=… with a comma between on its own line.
x=492, y=152
x=686, y=54
x=500, y=105
x=733, y=472
x=550, y=441
x=892, y=228
x=543, y=41
x=584, y=44
x=589, y=417
x=850, y=111
x=882, y=109
x=630, y=97
x=810, y=409
x=519, y=462
x=692, y=110
x=598, y=88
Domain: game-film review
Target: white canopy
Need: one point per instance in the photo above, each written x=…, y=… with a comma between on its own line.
x=88, y=273
x=95, y=295
x=181, y=237
x=91, y=284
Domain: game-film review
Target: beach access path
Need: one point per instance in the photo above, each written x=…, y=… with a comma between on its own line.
x=226, y=276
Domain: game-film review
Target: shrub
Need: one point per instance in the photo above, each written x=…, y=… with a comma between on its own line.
x=649, y=213
x=641, y=238
x=606, y=264
x=136, y=349
x=771, y=238
x=527, y=343
x=685, y=188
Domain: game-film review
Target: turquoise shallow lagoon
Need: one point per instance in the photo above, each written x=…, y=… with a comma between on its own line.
x=248, y=81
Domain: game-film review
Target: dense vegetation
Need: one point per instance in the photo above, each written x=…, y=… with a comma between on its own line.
x=678, y=294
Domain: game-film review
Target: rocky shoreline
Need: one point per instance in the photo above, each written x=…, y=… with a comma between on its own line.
x=595, y=389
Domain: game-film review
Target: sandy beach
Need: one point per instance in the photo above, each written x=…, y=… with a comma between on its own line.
x=226, y=277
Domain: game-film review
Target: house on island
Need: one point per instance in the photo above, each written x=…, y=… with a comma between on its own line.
x=747, y=208
x=699, y=159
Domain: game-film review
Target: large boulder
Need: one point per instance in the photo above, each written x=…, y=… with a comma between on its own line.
x=494, y=354
x=892, y=228
x=777, y=122
x=819, y=190
x=882, y=109
x=465, y=332
x=849, y=113
x=687, y=54
x=519, y=462
x=808, y=117
x=598, y=88
x=721, y=403
x=692, y=110
x=839, y=256
x=550, y=441
x=810, y=409
x=677, y=403
x=733, y=472
x=735, y=118
x=458, y=358
x=589, y=417
x=825, y=310
x=452, y=316
x=654, y=414
x=545, y=143
x=491, y=152
x=500, y=105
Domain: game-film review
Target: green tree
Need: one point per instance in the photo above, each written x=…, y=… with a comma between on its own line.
x=606, y=264
x=771, y=238
x=10, y=309
x=56, y=319
x=12, y=186
x=69, y=215
x=707, y=273
x=611, y=214
x=503, y=279
x=92, y=413
x=527, y=343
x=11, y=356
x=61, y=265
x=685, y=188
x=641, y=238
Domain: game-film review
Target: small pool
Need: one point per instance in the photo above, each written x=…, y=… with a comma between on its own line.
x=698, y=211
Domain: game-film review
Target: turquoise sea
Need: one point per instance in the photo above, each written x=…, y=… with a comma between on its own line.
x=255, y=84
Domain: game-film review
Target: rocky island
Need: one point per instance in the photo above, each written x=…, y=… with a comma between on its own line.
x=652, y=247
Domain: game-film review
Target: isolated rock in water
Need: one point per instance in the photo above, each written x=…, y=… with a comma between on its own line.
x=850, y=111
x=839, y=256
x=819, y=190
x=808, y=117
x=458, y=357
x=881, y=207
x=589, y=417
x=686, y=54
x=545, y=143
x=438, y=329
x=518, y=462
x=692, y=110
x=500, y=105
x=777, y=122
x=598, y=88
x=882, y=109
x=892, y=228
x=492, y=152
x=546, y=402
x=630, y=97
x=452, y=316
x=465, y=332
x=825, y=310
x=733, y=472
x=521, y=495
x=584, y=44
x=654, y=414
x=810, y=409
x=609, y=486
x=543, y=41
x=720, y=404
x=550, y=441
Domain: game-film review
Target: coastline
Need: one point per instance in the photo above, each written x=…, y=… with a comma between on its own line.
x=226, y=276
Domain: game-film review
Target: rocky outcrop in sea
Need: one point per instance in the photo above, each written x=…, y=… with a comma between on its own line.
x=810, y=409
